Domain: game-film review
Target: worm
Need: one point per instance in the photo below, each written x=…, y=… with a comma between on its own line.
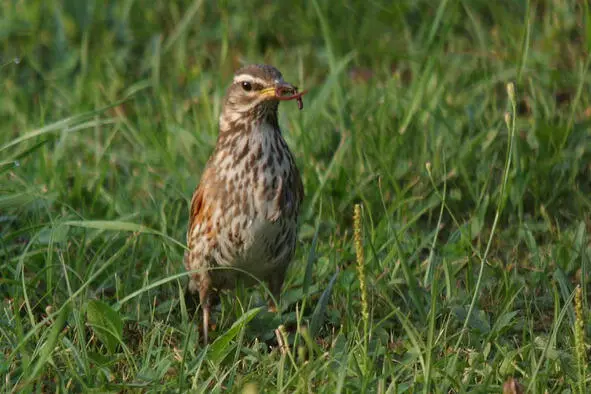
x=296, y=96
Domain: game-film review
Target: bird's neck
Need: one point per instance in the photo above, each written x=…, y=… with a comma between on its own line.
x=239, y=134
x=235, y=120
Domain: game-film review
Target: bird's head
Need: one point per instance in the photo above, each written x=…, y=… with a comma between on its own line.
x=255, y=94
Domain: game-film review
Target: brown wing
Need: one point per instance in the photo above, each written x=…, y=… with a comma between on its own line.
x=201, y=236
x=195, y=211
x=201, y=208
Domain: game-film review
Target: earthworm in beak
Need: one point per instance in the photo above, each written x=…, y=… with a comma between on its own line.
x=286, y=92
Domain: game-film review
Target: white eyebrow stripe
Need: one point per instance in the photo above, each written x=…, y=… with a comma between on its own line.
x=249, y=78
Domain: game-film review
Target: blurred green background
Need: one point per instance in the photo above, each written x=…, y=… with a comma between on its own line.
x=476, y=231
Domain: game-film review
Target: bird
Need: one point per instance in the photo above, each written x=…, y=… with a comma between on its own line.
x=243, y=219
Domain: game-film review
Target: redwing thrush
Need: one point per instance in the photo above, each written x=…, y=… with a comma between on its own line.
x=245, y=210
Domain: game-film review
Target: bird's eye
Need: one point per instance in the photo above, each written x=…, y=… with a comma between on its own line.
x=246, y=86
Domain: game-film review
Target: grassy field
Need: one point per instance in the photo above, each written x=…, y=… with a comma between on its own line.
x=461, y=129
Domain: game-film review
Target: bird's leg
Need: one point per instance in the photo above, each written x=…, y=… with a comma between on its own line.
x=204, y=287
x=272, y=306
x=275, y=284
x=200, y=283
x=205, y=322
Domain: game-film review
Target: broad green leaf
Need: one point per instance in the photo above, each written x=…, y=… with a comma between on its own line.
x=106, y=323
x=220, y=347
x=503, y=321
x=312, y=258
x=320, y=310
x=478, y=319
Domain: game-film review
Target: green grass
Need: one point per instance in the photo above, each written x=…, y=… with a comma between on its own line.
x=476, y=209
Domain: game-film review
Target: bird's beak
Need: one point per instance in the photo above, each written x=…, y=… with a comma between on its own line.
x=279, y=90
x=283, y=91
